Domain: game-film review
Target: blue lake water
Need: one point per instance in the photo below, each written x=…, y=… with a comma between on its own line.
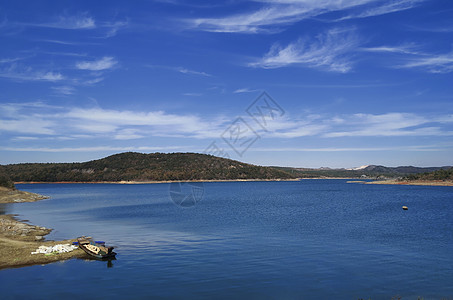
x=310, y=239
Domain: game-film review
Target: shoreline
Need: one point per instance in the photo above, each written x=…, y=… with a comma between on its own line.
x=18, y=239
x=15, y=196
x=415, y=182
x=181, y=181
x=155, y=181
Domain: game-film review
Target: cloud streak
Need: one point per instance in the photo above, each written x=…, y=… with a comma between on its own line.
x=384, y=8
x=245, y=90
x=274, y=15
x=330, y=51
x=105, y=63
x=19, y=73
x=92, y=149
x=192, y=72
x=414, y=59
x=79, y=21
x=442, y=63
x=389, y=125
x=36, y=120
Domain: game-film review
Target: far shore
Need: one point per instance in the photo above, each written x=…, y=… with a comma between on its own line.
x=412, y=182
x=153, y=181
x=351, y=180
x=173, y=181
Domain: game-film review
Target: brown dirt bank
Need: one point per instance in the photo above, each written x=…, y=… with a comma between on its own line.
x=15, y=253
x=414, y=182
x=19, y=239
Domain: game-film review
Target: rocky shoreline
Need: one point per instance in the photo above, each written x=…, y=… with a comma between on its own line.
x=15, y=196
x=19, y=239
x=11, y=228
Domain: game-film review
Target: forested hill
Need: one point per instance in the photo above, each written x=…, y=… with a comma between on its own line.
x=436, y=175
x=5, y=181
x=133, y=166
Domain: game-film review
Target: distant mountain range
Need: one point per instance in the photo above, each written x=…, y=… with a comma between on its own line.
x=398, y=170
x=131, y=166
x=363, y=171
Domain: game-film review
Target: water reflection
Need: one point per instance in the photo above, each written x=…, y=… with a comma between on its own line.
x=107, y=261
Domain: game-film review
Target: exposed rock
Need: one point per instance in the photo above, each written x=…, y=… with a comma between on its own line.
x=9, y=227
x=15, y=196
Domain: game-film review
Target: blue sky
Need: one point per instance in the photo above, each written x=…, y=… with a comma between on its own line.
x=347, y=83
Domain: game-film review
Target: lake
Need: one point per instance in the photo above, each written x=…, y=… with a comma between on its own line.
x=309, y=239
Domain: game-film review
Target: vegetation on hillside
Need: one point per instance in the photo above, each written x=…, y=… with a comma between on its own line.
x=5, y=181
x=133, y=166
x=372, y=172
x=436, y=175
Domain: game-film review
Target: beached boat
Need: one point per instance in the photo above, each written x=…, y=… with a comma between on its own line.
x=95, y=249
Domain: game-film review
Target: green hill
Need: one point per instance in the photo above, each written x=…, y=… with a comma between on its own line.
x=5, y=181
x=436, y=175
x=133, y=166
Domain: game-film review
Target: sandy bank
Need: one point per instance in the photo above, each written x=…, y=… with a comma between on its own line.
x=19, y=239
x=414, y=182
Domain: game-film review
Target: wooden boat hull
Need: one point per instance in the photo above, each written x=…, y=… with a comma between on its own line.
x=95, y=250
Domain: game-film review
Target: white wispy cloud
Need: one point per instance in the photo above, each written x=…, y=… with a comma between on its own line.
x=92, y=81
x=408, y=49
x=275, y=14
x=28, y=126
x=182, y=70
x=65, y=53
x=330, y=51
x=93, y=149
x=64, y=90
x=109, y=124
x=105, y=63
x=114, y=27
x=60, y=42
x=187, y=71
x=79, y=21
x=429, y=148
x=360, y=125
x=128, y=134
x=384, y=8
x=21, y=73
x=110, y=116
x=193, y=94
x=10, y=60
x=442, y=63
x=245, y=90
x=410, y=57
x=37, y=120
x=11, y=120
x=389, y=124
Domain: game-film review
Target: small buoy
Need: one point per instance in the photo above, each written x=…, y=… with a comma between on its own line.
x=405, y=208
